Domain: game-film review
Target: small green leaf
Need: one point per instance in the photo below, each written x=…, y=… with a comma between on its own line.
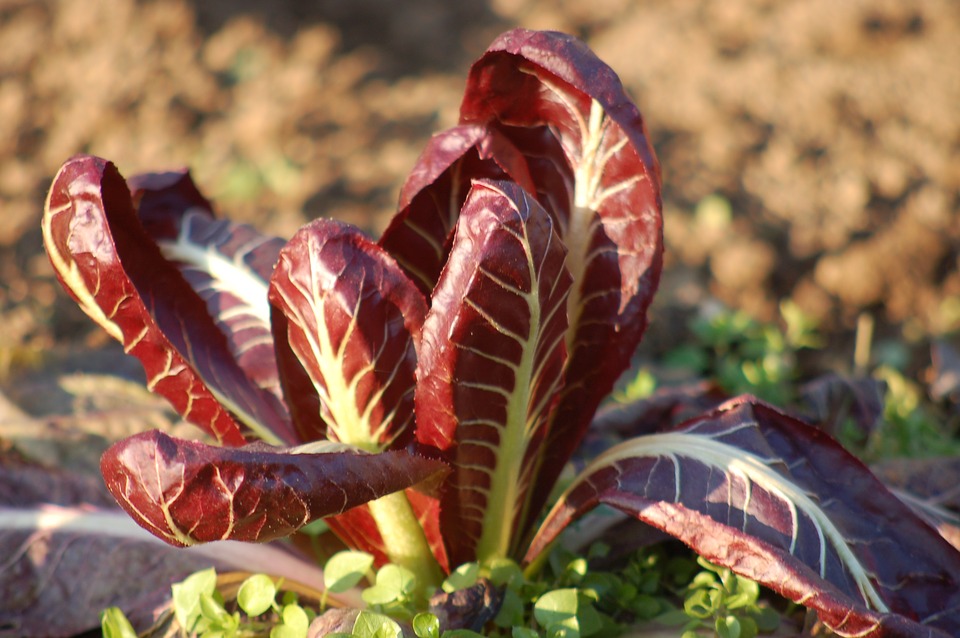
x=673, y=617
x=727, y=627
x=558, y=609
x=186, y=596
x=295, y=623
x=256, y=594
x=213, y=610
x=588, y=619
x=746, y=595
x=462, y=577
x=767, y=619
x=345, y=569
x=524, y=632
x=511, y=610
x=702, y=603
x=114, y=624
x=426, y=625
x=645, y=607
x=372, y=625
x=504, y=571
x=394, y=583
x=315, y=528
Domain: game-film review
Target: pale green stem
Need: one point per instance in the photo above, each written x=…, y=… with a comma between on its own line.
x=403, y=539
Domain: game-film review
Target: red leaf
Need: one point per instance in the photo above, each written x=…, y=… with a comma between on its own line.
x=430, y=202
x=185, y=492
x=491, y=359
x=782, y=503
x=67, y=547
x=347, y=325
x=589, y=152
x=229, y=265
x=118, y=275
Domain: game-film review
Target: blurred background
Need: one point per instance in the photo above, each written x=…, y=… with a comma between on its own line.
x=810, y=149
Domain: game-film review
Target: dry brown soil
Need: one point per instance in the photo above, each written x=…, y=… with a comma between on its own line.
x=810, y=148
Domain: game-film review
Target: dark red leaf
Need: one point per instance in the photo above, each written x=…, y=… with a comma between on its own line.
x=832, y=401
x=186, y=492
x=347, y=324
x=589, y=152
x=945, y=374
x=229, y=265
x=491, y=358
x=418, y=236
x=69, y=553
x=781, y=502
x=118, y=275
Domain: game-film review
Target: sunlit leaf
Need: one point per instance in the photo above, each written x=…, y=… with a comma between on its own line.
x=119, y=276
x=186, y=492
x=590, y=156
x=778, y=501
x=347, y=325
x=491, y=358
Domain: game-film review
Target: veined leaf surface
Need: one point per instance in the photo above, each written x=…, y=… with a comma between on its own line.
x=68, y=547
x=119, y=277
x=228, y=264
x=782, y=503
x=430, y=202
x=186, y=492
x=347, y=323
x=585, y=141
x=491, y=360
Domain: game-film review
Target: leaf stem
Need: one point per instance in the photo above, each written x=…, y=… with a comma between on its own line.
x=403, y=539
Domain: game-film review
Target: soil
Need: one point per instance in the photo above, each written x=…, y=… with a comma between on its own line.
x=810, y=149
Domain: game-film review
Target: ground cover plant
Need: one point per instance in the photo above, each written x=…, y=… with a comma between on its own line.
x=423, y=393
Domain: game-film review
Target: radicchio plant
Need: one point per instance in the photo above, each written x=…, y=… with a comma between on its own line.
x=424, y=392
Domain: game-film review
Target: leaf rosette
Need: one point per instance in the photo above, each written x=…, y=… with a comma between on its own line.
x=424, y=392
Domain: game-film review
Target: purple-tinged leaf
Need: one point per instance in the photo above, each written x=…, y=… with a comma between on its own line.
x=186, y=492
x=832, y=401
x=782, y=503
x=945, y=382
x=228, y=264
x=117, y=274
x=584, y=140
x=666, y=408
x=491, y=359
x=69, y=553
x=346, y=319
x=431, y=198
x=930, y=486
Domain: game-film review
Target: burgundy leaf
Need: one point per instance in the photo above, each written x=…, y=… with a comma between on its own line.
x=347, y=324
x=185, y=492
x=435, y=191
x=832, y=401
x=930, y=486
x=116, y=272
x=782, y=503
x=945, y=374
x=228, y=264
x=585, y=141
x=490, y=364
x=68, y=548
